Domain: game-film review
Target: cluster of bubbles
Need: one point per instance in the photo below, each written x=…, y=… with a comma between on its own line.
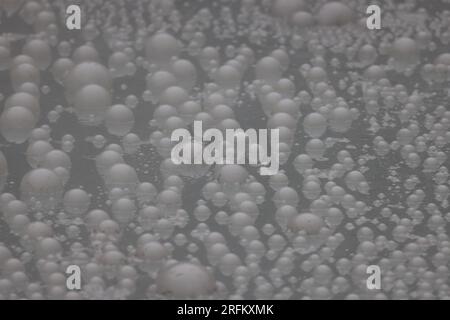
x=87, y=179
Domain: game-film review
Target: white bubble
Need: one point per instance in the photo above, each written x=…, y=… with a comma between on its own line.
x=185, y=280
x=91, y=103
x=40, y=51
x=161, y=48
x=119, y=120
x=16, y=124
x=76, y=202
x=41, y=189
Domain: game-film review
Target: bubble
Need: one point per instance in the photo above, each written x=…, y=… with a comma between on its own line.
x=308, y=222
x=315, y=148
x=16, y=124
x=23, y=73
x=174, y=96
x=87, y=73
x=161, y=48
x=315, y=124
x=146, y=192
x=37, y=151
x=41, y=189
x=91, y=104
x=76, y=202
x=119, y=120
x=121, y=175
x=227, y=77
x=61, y=68
x=185, y=280
x=123, y=210
x=268, y=69
x=159, y=81
x=40, y=52
x=340, y=119
x=185, y=73
x=405, y=51
x=26, y=100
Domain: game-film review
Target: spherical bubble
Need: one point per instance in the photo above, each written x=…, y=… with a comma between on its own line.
x=303, y=162
x=228, y=124
x=26, y=100
x=405, y=51
x=94, y=218
x=268, y=69
x=153, y=254
x=208, y=57
x=221, y=112
x=19, y=224
x=209, y=189
x=23, y=73
x=282, y=119
x=188, y=110
x=185, y=280
x=14, y=208
x=308, y=222
x=159, y=81
x=87, y=73
x=149, y=216
x=123, y=210
x=219, y=199
x=76, y=202
x=61, y=68
x=56, y=158
x=340, y=119
x=302, y=19
x=91, y=103
x=43, y=20
x=311, y=189
x=37, y=151
x=285, y=214
x=286, y=196
x=174, y=96
x=227, y=77
x=315, y=148
x=40, y=51
x=29, y=87
x=278, y=181
x=232, y=174
x=215, y=252
x=334, y=217
x=334, y=13
x=169, y=201
x=161, y=48
x=228, y=263
x=121, y=175
x=146, y=192
x=119, y=120
x=117, y=64
x=315, y=124
x=202, y=213
x=238, y=221
x=47, y=247
x=3, y=171
x=85, y=53
x=22, y=58
x=185, y=73
x=16, y=124
x=285, y=8
x=106, y=160
x=41, y=189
